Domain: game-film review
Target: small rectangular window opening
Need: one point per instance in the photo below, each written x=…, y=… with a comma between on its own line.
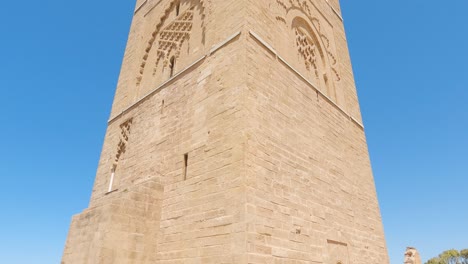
x=111, y=181
x=185, y=165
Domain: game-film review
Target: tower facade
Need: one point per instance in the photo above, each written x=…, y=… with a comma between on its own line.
x=235, y=137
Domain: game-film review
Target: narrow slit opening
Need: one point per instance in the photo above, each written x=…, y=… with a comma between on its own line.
x=172, y=66
x=177, y=9
x=111, y=180
x=185, y=165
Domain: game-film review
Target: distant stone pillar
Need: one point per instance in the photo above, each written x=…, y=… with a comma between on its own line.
x=412, y=256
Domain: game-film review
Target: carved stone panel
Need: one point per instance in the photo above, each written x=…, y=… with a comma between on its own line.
x=122, y=145
x=172, y=41
x=172, y=37
x=313, y=40
x=337, y=253
x=125, y=129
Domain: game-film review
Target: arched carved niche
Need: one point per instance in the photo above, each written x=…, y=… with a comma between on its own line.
x=309, y=47
x=310, y=38
x=179, y=34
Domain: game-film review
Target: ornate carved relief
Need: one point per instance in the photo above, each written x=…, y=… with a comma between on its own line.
x=331, y=57
x=168, y=38
x=308, y=50
x=125, y=129
x=311, y=45
x=173, y=36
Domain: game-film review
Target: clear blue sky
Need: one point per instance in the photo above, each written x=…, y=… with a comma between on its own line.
x=59, y=66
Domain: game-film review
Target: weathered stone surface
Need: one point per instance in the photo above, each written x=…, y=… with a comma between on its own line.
x=412, y=256
x=235, y=137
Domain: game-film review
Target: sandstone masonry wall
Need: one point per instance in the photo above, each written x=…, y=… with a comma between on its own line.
x=235, y=137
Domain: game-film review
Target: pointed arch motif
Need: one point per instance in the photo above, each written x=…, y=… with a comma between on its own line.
x=169, y=37
x=312, y=41
x=309, y=47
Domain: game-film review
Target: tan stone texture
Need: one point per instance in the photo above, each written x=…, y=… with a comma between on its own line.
x=412, y=256
x=235, y=137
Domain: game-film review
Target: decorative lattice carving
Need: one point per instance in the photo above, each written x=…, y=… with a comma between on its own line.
x=183, y=19
x=308, y=48
x=125, y=129
x=173, y=37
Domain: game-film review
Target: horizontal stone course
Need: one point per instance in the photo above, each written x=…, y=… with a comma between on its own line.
x=244, y=154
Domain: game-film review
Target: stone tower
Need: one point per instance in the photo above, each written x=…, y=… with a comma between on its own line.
x=235, y=137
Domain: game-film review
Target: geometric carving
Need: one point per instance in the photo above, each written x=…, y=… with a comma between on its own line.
x=228, y=211
x=310, y=47
x=171, y=37
x=308, y=50
x=122, y=146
